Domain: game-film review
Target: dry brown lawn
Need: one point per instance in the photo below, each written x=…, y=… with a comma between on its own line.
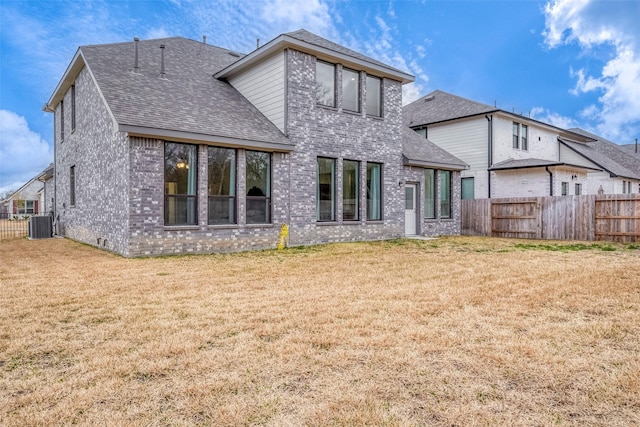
x=456, y=331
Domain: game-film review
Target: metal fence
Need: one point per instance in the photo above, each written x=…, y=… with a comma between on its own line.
x=15, y=226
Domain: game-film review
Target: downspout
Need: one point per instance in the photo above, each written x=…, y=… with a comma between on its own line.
x=550, y=180
x=489, y=152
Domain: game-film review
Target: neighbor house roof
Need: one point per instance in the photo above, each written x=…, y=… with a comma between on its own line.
x=305, y=41
x=439, y=106
x=606, y=154
x=188, y=103
x=532, y=163
x=419, y=151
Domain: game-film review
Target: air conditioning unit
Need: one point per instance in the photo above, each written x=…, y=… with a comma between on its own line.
x=40, y=227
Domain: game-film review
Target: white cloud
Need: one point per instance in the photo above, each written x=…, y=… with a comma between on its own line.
x=555, y=119
x=23, y=153
x=596, y=23
x=157, y=33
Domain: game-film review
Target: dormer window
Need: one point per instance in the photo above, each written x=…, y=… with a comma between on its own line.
x=373, y=96
x=350, y=90
x=326, y=84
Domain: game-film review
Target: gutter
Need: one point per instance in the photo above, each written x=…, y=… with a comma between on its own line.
x=550, y=180
x=489, y=152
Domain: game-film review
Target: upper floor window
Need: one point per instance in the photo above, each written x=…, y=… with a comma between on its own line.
x=180, y=184
x=374, y=96
x=326, y=190
x=258, y=180
x=524, y=138
x=350, y=90
x=73, y=108
x=516, y=135
x=222, y=185
x=326, y=84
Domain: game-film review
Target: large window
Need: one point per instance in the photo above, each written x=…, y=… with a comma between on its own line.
x=350, y=90
x=72, y=185
x=445, y=194
x=326, y=83
x=25, y=207
x=326, y=190
x=222, y=185
x=429, y=193
x=350, y=194
x=374, y=191
x=468, y=191
x=180, y=183
x=524, y=138
x=516, y=135
x=258, y=187
x=374, y=96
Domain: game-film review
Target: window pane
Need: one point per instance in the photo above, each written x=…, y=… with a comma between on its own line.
x=525, y=136
x=516, y=143
x=72, y=186
x=373, y=96
x=374, y=191
x=326, y=83
x=180, y=182
x=422, y=132
x=445, y=194
x=565, y=187
x=429, y=193
x=350, y=90
x=325, y=190
x=222, y=185
x=73, y=107
x=468, y=191
x=350, y=196
x=258, y=187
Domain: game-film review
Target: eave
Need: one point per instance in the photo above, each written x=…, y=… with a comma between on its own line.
x=433, y=165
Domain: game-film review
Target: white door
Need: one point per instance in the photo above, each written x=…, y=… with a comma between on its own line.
x=410, y=213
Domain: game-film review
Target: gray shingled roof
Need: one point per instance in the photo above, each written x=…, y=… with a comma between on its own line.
x=189, y=99
x=631, y=148
x=306, y=36
x=524, y=163
x=438, y=106
x=419, y=151
x=606, y=154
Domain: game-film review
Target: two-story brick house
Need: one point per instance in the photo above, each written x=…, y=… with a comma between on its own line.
x=175, y=146
x=511, y=155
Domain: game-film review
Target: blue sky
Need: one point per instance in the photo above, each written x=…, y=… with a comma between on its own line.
x=566, y=62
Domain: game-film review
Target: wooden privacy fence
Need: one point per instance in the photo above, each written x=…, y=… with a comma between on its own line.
x=609, y=217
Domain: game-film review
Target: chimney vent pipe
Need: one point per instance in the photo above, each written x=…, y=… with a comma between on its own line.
x=136, y=68
x=204, y=39
x=162, y=73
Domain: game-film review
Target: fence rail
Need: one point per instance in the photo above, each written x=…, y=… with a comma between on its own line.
x=14, y=226
x=608, y=217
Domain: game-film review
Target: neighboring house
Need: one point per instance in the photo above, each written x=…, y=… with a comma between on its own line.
x=28, y=199
x=511, y=155
x=175, y=146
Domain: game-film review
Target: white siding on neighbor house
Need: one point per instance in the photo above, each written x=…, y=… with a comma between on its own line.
x=569, y=156
x=264, y=86
x=465, y=139
x=530, y=182
x=542, y=143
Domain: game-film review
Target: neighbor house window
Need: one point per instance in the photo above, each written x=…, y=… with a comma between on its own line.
x=180, y=184
x=422, y=132
x=61, y=121
x=565, y=188
x=373, y=97
x=445, y=194
x=326, y=190
x=429, y=193
x=326, y=83
x=222, y=185
x=524, y=138
x=578, y=189
x=468, y=192
x=350, y=194
x=374, y=191
x=72, y=185
x=350, y=90
x=258, y=187
x=73, y=108
x=516, y=135
x=25, y=207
